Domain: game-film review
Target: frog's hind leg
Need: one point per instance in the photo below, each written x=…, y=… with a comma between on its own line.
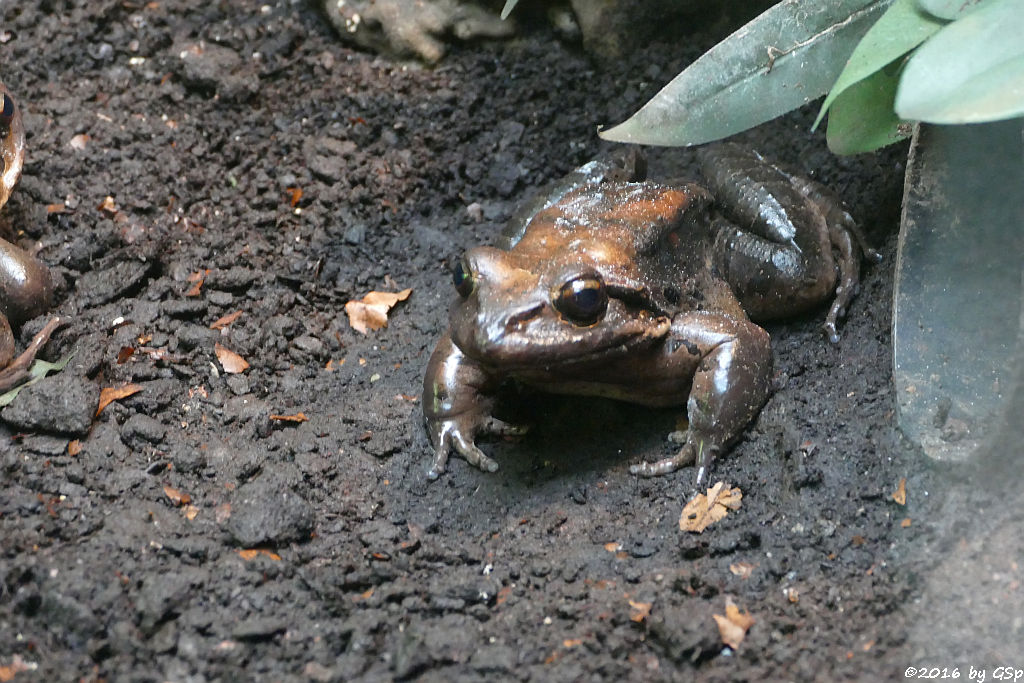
x=848, y=242
x=775, y=237
x=729, y=387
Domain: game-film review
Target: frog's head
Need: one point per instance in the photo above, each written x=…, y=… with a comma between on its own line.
x=579, y=286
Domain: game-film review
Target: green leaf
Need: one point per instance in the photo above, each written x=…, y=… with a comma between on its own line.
x=784, y=58
x=862, y=118
x=39, y=370
x=969, y=72
x=950, y=9
x=507, y=9
x=902, y=28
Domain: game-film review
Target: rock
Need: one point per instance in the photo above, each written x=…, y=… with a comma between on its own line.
x=231, y=279
x=164, y=596
x=216, y=70
x=192, y=336
x=184, y=308
x=61, y=403
x=102, y=286
x=266, y=512
x=613, y=28
x=258, y=628
x=138, y=429
x=400, y=29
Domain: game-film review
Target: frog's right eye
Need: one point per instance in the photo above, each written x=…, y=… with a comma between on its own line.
x=462, y=278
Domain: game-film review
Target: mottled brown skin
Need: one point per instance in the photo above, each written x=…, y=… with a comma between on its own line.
x=641, y=292
x=26, y=287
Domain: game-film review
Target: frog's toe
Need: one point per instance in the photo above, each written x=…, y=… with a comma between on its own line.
x=685, y=456
x=473, y=455
x=441, y=439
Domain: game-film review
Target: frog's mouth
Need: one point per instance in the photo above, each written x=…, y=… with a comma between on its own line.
x=535, y=336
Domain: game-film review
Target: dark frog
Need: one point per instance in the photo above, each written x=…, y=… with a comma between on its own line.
x=619, y=287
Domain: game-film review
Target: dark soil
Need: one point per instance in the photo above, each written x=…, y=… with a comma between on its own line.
x=367, y=571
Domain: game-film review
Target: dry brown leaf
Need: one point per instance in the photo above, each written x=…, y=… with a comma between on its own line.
x=17, y=665
x=734, y=625
x=900, y=494
x=294, y=195
x=108, y=205
x=641, y=610
x=572, y=642
x=79, y=141
x=792, y=594
x=297, y=417
x=74, y=447
x=613, y=546
x=190, y=512
x=176, y=497
x=253, y=553
x=225, y=320
x=110, y=394
x=742, y=569
x=232, y=363
x=905, y=523
x=371, y=312
x=56, y=208
x=705, y=510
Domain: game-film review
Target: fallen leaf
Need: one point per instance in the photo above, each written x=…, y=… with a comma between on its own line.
x=190, y=512
x=111, y=394
x=297, y=417
x=613, y=546
x=17, y=665
x=371, y=312
x=225, y=320
x=900, y=495
x=333, y=365
x=176, y=497
x=124, y=354
x=108, y=205
x=253, y=553
x=792, y=594
x=56, y=208
x=232, y=363
x=572, y=642
x=74, y=447
x=641, y=610
x=705, y=510
x=79, y=141
x=734, y=625
x=905, y=523
x=742, y=569
x=294, y=194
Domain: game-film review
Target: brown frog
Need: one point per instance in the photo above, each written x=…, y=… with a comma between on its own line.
x=641, y=291
x=26, y=287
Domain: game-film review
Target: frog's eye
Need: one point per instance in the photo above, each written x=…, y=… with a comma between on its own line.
x=462, y=278
x=583, y=300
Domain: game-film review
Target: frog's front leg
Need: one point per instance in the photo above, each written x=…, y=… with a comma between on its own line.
x=776, y=240
x=729, y=387
x=458, y=397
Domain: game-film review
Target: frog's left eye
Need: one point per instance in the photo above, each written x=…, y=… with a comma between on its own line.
x=583, y=300
x=462, y=278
